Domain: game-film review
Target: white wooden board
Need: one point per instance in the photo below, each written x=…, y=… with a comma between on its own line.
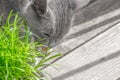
x=102, y=15
x=98, y=59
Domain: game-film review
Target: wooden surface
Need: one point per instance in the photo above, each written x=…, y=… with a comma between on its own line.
x=92, y=21
x=91, y=50
x=98, y=59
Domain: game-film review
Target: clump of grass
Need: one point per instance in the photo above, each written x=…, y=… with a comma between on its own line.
x=18, y=54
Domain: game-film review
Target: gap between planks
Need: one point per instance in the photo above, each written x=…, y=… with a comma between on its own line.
x=104, y=45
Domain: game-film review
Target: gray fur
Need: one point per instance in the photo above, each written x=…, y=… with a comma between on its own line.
x=54, y=24
x=49, y=19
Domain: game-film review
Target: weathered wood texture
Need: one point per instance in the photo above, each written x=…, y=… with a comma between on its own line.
x=91, y=50
x=98, y=59
x=93, y=20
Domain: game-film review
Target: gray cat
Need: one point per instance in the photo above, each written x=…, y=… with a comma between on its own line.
x=47, y=19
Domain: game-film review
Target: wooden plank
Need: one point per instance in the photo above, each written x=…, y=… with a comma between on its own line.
x=98, y=8
x=106, y=15
x=81, y=34
x=99, y=59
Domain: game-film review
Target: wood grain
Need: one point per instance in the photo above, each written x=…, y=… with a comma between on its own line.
x=101, y=16
x=98, y=59
x=91, y=50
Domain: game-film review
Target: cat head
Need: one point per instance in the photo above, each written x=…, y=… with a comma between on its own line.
x=40, y=19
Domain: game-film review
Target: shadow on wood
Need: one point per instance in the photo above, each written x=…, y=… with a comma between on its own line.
x=100, y=7
x=82, y=44
x=118, y=78
x=88, y=66
x=101, y=24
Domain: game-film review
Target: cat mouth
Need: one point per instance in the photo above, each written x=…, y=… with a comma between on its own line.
x=54, y=42
x=47, y=40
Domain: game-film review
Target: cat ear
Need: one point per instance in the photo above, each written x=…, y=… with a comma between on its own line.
x=40, y=6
